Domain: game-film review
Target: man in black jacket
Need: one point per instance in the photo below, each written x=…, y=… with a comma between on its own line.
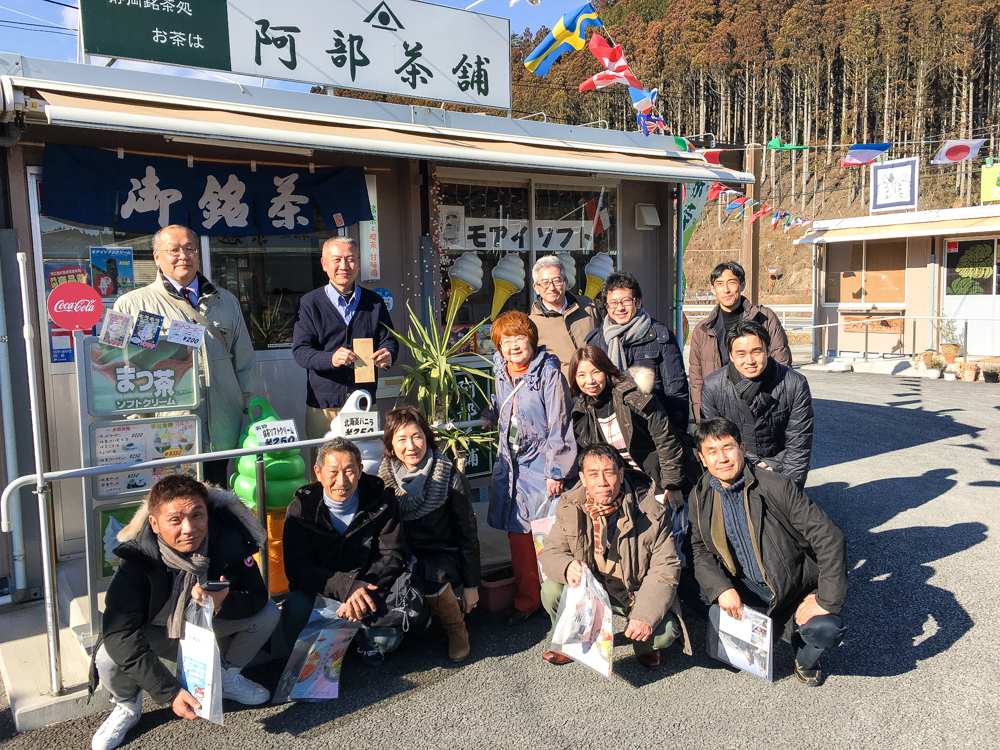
x=182, y=536
x=769, y=402
x=757, y=540
x=328, y=322
x=343, y=540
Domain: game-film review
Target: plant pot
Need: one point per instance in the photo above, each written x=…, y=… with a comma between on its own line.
x=950, y=376
x=969, y=373
x=933, y=373
x=927, y=357
x=497, y=589
x=950, y=351
x=991, y=377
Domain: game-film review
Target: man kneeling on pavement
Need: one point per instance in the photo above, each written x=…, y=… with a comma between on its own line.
x=615, y=527
x=758, y=540
x=343, y=540
x=183, y=535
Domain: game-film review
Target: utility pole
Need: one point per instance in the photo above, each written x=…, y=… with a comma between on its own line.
x=750, y=251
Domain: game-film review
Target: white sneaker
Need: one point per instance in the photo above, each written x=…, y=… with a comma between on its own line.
x=125, y=716
x=236, y=687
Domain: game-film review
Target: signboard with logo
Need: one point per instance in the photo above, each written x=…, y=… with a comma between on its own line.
x=58, y=272
x=894, y=185
x=399, y=47
x=75, y=306
x=134, y=380
x=135, y=440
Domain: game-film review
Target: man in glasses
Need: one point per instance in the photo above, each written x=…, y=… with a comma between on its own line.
x=225, y=354
x=632, y=338
x=328, y=323
x=563, y=319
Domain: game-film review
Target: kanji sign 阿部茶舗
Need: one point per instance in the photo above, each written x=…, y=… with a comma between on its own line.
x=397, y=47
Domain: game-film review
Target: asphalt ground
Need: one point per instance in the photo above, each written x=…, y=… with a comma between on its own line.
x=908, y=468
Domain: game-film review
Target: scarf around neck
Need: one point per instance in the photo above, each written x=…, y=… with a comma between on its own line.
x=420, y=490
x=750, y=391
x=191, y=569
x=617, y=335
x=599, y=514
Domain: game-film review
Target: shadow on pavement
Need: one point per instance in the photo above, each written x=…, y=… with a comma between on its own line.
x=895, y=618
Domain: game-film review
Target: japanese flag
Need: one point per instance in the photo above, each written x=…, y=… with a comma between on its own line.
x=956, y=151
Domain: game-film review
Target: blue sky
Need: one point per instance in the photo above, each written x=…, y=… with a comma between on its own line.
x=58, y=41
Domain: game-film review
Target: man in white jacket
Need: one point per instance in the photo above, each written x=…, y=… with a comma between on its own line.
x=226, y=355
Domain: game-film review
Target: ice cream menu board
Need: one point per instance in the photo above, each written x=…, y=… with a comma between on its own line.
x=135, y=440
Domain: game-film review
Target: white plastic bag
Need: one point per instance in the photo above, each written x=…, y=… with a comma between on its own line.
x=199, y=664
x=540, y=528
x=584, y=629
x=313, y=669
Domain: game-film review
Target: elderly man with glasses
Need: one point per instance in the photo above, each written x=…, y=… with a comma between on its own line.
x=225, y=355
x=563, y=319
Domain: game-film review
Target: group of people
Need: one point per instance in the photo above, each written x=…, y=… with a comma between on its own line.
x=593, y=428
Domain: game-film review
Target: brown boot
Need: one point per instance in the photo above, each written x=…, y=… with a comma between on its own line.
x=445, y=606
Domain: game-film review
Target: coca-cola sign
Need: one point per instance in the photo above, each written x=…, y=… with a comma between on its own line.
x=75, y=306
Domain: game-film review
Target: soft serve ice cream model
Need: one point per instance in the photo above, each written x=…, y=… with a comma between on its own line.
x=569, y=268
x=466, y=275
x=508, y=278
x=597, y=270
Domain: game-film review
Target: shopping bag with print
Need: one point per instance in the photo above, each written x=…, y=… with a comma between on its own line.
x=199, y=664
x=540, y=528
x=313, y=669
x=584, y=629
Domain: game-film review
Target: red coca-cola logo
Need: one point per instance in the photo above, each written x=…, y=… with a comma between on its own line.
x=75, y=306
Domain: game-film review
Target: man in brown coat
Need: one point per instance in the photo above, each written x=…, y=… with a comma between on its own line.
x=624, y=536
x=708, y=340
x=563, y=319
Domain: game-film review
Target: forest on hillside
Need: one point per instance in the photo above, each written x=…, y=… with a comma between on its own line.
x=826, y=73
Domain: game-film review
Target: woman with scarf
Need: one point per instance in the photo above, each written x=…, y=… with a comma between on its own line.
x=620, y=410
x=536, y=449
x=631, y=337
x=438, y=521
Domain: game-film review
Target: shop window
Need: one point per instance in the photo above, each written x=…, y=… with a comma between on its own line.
x=971, y=267
x=866, y=273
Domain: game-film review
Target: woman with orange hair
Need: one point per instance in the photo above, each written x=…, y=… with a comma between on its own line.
x=537, y=450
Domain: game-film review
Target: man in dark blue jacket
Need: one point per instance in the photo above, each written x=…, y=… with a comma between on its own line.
x=328, y=322
x=631, y=337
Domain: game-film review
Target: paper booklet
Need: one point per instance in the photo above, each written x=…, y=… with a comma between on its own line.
x=745, y=643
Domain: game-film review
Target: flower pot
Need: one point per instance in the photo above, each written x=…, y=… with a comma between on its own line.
x=969, y=373
x=497, y=589
x=950, y=351
x=933, y=373
x=927, y=357
x=950, y=376
x=991, y=377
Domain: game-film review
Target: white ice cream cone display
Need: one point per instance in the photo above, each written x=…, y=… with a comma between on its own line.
x=569, y=266
x=466, y=278
x=508, y=278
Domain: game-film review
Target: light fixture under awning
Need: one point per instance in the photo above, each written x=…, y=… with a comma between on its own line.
x=215, y=125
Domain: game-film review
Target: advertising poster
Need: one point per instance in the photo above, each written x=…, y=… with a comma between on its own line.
x=112, y=272
x=312, y=672
x=135, y=380
x=109, y=523
x=135, y=440
x=59, y=272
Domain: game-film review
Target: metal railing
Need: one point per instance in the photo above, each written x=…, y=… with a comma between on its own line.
x=43, y=480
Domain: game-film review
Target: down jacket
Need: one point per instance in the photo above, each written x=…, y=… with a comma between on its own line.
x=705, y=356
x=650, y=567
x=660, y=352
x=799, y=549
x=321, y=560
x=142, y=586
x=661, y=453
x=782, y=436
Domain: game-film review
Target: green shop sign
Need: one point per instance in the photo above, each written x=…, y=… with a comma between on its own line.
x=134, y=380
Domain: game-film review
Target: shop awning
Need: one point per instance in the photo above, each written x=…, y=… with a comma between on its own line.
x=885, y=227
x=218, y=125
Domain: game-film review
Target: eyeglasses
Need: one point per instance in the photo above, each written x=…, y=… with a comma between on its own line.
x=551, y=283
x=509, y=342
x=623, y=304
x=190, y=252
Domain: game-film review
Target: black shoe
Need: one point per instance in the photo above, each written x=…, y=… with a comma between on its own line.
x=373, y=657
x=810, y=677
x=518, y=617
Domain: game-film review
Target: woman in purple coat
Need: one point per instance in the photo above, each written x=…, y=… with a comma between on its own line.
x=537, y=450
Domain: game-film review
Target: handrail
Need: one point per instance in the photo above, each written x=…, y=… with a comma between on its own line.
x=544, y=118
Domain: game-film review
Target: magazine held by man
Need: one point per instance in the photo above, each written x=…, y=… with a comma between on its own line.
x=745, y=643
x=313, y=669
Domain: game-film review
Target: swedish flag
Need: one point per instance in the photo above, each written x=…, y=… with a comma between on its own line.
x=568, y=34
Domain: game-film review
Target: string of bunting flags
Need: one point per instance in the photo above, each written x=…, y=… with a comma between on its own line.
x=739, y=208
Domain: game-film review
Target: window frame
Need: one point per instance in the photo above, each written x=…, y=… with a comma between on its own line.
x=864, y=304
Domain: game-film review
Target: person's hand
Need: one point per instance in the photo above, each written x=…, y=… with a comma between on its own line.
x=808, y=610
x=358, y=604
x=343, y=357
x=382, y=358
x=574, y=573
x=676, y=499
x=470, y=598
x=729, y=602
x=185, y=705
x=554, y=486
x=637, y=630
x=200, y=595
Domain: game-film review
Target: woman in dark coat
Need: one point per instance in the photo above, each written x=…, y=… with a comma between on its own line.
x=439, y=524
